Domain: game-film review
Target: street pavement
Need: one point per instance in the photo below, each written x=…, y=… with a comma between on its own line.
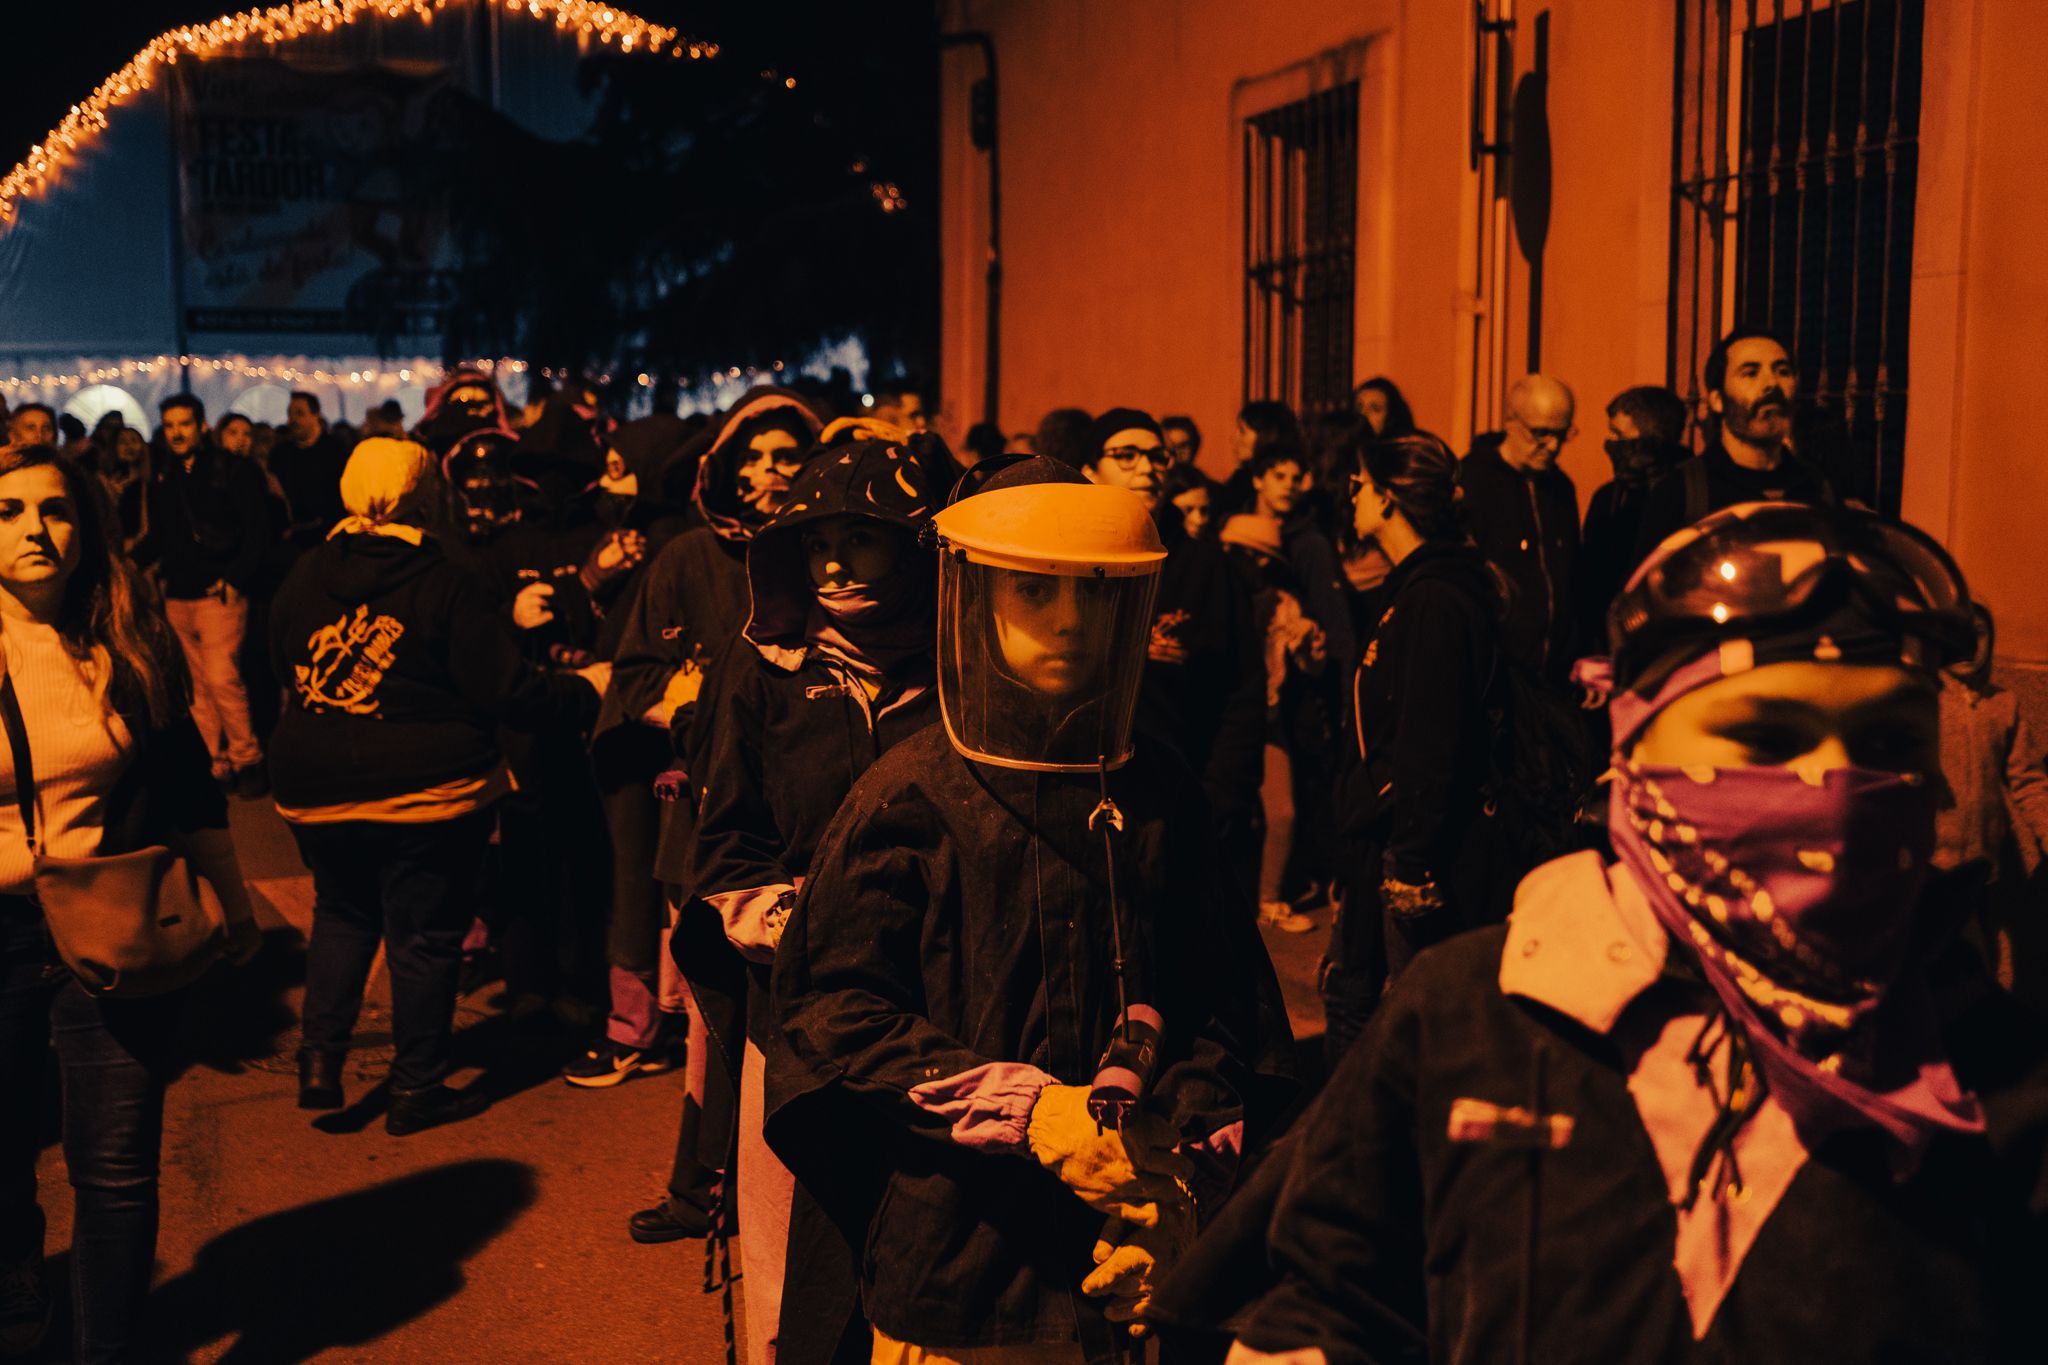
x=288, y=1236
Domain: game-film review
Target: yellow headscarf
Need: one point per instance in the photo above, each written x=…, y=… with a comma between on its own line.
x=389, y=488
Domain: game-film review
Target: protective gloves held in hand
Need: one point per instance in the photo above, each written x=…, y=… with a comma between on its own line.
x=1130, y=1261
x=1131, y=1174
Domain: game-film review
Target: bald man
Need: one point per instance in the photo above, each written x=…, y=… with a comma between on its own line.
x=1522, y=513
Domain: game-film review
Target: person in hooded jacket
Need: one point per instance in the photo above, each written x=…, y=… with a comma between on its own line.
x=468, y=401
x=1205, y=677
x=1419, y=847
x=396, y=672
x=991, y=897
x=834, y=668
x=1731, y=1093
x=687, y=608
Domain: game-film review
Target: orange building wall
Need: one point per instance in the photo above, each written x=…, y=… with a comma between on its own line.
x=1123, y=259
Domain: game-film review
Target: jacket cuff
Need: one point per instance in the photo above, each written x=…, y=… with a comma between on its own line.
x=754, y=918
x=1217, y=1158
x=988, y=1106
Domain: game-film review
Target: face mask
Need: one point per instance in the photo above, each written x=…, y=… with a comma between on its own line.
x=870, y=604
x=1801, y=903
x=1637, y=460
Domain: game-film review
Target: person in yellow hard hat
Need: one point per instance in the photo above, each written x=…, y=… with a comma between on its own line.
x=993, y=894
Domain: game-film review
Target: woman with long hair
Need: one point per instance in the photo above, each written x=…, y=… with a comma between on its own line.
x=1418, y=844
x=118, y=765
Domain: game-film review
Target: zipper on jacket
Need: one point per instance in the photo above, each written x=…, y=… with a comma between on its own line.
x=1543, y=566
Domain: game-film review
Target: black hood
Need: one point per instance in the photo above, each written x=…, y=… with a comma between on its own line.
x=650, y=448
x=354, y=569
x=567, y=431
x=897, y=484
x=717, y=492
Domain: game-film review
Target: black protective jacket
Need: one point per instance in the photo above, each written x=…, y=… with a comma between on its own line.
x=396, y=671
x=687, y=606
x=1413, y=807
x=956, y=917
x=1204, y=688
x=784, y=733
x=1527, y=526
x=1398, y=1238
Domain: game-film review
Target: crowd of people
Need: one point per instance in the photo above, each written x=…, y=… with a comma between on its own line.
x=927, y=808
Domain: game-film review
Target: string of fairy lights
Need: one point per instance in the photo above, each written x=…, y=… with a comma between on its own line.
x=385, y=374
x=588, y=19
x=605, y=23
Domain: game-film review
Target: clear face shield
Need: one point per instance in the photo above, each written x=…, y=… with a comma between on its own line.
x=1041, y=670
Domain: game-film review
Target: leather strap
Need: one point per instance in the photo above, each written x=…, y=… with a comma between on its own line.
x=24, y=766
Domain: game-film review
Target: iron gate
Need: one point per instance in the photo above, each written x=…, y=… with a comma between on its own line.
x=1794, y=149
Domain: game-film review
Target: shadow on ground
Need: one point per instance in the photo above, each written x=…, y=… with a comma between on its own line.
x=340, y=1272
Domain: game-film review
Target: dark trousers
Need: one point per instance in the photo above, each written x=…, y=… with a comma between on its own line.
x=706, y=1137
x=114, y=1059
x=412, y=886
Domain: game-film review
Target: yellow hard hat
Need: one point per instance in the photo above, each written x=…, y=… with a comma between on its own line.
x=1073, y=529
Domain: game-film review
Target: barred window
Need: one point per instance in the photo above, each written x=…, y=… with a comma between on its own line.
x=1300, y=250
x=1794, y=159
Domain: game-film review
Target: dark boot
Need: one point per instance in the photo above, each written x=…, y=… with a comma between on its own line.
x=319, y=1079
x=432, y=1107
x=669, y=1221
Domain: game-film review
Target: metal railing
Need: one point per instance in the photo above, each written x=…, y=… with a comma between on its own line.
x=1794, y=157
x=1300, y=250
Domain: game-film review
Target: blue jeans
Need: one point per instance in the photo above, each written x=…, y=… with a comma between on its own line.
x=414, y=888
x=114, y=1058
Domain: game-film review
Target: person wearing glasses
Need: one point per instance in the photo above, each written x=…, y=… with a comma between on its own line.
x=1731, y=1089
x=1522, y=512
x=1752, y=387
x=1204, y=688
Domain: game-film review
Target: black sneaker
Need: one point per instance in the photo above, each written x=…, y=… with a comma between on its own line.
x=252, y=782
x=432, y=1107
x=668, y=1221
x=25, y=1307
x=608, y=1063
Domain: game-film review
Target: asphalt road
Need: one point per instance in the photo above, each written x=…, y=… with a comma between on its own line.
x=287, y=1238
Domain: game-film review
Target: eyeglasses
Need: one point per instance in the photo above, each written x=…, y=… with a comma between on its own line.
x=1543, y=436
x=1127, y=457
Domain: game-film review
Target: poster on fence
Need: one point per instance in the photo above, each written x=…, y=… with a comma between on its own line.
x=315, y=199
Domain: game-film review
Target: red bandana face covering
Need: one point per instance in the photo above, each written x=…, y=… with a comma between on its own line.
x=1801, y=902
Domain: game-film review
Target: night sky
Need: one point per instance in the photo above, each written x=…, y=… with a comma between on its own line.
x=60, y=49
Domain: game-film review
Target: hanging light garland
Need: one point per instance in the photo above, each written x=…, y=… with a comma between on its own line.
x=386, y=373
x=606, y=23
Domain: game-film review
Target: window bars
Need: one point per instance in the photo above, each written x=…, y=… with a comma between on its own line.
x=1300, y=250
x=1794, y=152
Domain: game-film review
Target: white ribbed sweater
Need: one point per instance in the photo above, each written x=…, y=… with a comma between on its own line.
x=79, y=752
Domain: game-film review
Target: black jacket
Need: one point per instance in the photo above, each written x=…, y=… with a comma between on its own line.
x=1204, y=688
x=207, y=524
x=1413, y=807
x=1393, y=1241
x=311, y=479
x=1608, y=554
x=955, y=915
x=1527, y=526
x=396, y=670
x=1677, y=500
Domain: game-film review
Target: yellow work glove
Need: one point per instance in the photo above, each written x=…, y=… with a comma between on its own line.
x=1130, y=1261
x=1127, y=1173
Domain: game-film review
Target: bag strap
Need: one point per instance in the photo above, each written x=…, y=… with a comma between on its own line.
x=24, y=765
